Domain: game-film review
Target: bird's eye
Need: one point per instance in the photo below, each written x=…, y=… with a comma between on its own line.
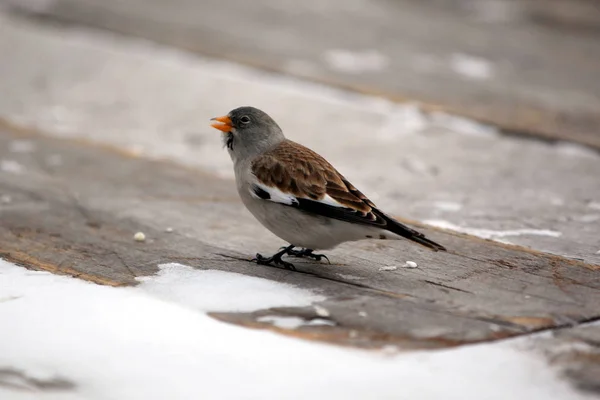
x=245, y=120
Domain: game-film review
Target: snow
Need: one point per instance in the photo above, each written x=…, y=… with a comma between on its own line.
x=448, y=206
x=410, y=264
x=11, y=166
x=463, y=126
x=471, y=67
x=283, y=322
x=401, y=120
x=388, y=268
x=587, y=218
x=406, y=119
x=356, y=62
x=139, y=237
x=492, y=234
x=127, y=343
x=576, y=150
x=351, y=277
x=594, y=205
x=322, y=311
x=212, y=290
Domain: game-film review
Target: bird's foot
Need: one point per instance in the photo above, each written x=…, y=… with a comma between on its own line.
x=274, y=261
x=308, y=253
x=293, y=253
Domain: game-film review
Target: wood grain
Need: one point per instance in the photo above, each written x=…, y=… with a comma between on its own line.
x=79, y=218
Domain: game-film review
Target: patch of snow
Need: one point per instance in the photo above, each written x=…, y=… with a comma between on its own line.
x=492, y=234
x=388, y=268
x=211, y=290
x=351, y=277
x=321, y=322
x=356, y=62
x=576, y=150
x=169, y=230
x=594, y=205
x=405, y=119
x=570, y=347
x=322, y=311
x=363, y=314
x=472, y=67
x=294, y=322
x=282, y=322
x=139, y=237
x=121, y=343
x=462, y=125
x=5, y=199
x=410, y=264
x=21, y=146
x=11, y=166
x=449, y=206
x=587, y=218
x=402, y=120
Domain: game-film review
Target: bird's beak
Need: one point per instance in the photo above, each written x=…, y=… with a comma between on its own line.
x=224, y=123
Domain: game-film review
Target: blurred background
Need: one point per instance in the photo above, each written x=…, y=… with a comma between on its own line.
x=525, y=65
x=475, y=115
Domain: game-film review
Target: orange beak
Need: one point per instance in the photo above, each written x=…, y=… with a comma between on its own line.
x=224, y=123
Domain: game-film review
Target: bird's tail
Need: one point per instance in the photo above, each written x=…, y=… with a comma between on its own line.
x=410, y=234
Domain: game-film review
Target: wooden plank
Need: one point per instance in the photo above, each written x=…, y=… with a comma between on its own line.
x=71, y=207
x=488, y=184
x=498, y=65
x=576, y=352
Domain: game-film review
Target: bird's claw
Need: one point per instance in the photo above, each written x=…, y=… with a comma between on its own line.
x=308, y=253
x=319, y=257
x=277, y=261
x=295, y=253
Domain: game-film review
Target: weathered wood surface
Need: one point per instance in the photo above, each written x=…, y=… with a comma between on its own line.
x=81, y=83
x=527, y=66
x=576, y=352
x=71, y=207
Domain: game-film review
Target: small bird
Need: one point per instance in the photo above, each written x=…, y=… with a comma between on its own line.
x=296, y=194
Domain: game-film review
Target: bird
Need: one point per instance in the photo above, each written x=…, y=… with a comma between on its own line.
x=298, y=195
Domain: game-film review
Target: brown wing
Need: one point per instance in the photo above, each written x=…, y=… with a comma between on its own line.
x=297, y=170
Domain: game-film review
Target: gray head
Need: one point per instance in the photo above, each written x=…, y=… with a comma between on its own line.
x=248, y=132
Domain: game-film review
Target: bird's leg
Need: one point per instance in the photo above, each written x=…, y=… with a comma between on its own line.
x=276, y=259
x=308, y=253
x=294, y=253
